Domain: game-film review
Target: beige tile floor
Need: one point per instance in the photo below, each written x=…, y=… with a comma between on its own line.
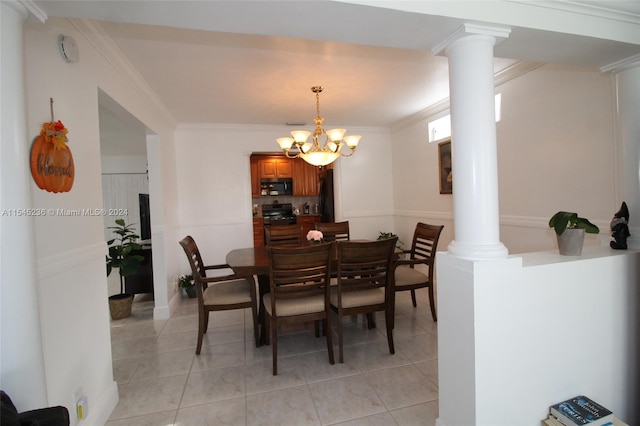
x=161, y=382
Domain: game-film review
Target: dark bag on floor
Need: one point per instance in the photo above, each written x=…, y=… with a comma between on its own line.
x=51, y=416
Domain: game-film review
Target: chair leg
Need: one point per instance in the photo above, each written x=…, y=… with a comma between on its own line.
x=256, y=326
x=340, y=339
x=389, y=321
x=432, y=304
x=274, y=345
x=206, y=321
x=316, y=325
x=371, y=321
x=327, y=327
x=413, y=298
x=201, y=329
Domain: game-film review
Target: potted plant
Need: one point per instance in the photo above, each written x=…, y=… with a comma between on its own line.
x=122, y=256
x=386, y=235
x=186, y=281
x=570, y=230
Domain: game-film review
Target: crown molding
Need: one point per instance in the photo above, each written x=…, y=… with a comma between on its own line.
x=512, y=72
x=622, y=65
x=582, y=8
x=33, y=9
x=105, y=46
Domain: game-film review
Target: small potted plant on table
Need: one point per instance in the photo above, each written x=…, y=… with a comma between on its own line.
x=570, y=230
x=122, y=256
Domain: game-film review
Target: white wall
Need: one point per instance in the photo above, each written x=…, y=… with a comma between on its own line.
x=71, y=271
x=556, y=151
x=214, y=186
x=520, y=334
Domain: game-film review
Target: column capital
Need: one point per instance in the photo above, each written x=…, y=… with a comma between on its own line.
x=498, y=33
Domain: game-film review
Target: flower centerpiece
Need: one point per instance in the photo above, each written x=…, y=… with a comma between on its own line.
x=186, y=281
x=315, y=236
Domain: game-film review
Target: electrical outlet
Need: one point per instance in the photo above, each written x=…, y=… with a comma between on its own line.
x=82, y=408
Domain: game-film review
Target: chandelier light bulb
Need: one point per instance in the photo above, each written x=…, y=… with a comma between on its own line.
x=300, y=136
x=285, y=143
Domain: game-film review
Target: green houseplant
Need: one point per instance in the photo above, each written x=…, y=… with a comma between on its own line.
x=122, y=256
x=570, y=230
x=386, y=235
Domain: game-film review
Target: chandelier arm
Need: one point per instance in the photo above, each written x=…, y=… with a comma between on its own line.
x=286, y=153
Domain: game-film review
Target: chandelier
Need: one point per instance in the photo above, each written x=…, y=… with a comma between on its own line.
x=312, y=152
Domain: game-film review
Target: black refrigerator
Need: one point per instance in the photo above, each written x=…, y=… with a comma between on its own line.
x=326, y=196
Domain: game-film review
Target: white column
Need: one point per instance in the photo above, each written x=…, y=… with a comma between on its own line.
x=628, y=131
x=473, y=143
x=22, y=365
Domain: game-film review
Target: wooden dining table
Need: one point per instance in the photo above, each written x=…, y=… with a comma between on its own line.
x=252, y=261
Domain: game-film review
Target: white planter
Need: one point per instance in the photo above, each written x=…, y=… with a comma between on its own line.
x=570, y=242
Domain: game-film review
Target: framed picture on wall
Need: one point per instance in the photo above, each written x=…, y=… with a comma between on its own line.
x=444, y=167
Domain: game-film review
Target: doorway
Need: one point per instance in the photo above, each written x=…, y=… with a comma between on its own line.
x=125, y=187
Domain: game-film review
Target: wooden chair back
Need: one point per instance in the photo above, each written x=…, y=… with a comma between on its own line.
x=365, y=265
x=365, y=284
x=425, y=242
x=298, y=272
x=422, y=252
x=334, y=231
x=195, y=262
x=283, y=235
x=227, y=291
x=299, y=290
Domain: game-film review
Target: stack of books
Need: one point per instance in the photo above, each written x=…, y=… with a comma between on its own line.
x=580, y=411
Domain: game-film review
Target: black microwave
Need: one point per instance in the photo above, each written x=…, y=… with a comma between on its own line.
x=282, y=186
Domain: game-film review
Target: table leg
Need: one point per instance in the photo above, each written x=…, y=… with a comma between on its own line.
x=263, y=288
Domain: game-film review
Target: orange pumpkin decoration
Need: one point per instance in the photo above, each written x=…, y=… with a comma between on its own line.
x=51, y=160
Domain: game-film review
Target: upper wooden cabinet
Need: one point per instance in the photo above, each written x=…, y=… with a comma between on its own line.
x=274, y=167
x=255, y=177
x=305, y=179
x=304, y=175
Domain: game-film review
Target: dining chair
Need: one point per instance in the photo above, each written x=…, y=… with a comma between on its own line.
x=283, y=235
x=334, y=231
x=219, y=292
x=365, y=283
x=298, y=291
x=422, y=252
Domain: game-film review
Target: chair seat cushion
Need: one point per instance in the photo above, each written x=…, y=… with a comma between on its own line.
x=299, y=306
x=228, y=292
x=409, y=276
x=352, y=299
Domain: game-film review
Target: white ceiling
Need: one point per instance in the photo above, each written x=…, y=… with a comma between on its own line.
x=254, y=62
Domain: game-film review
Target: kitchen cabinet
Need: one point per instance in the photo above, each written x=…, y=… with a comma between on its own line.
x=258, y=232
x=305, y=179
x=308, y=222
x=255, y=177
x=275, y=167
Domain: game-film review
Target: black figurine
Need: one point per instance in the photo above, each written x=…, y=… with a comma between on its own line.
x=620, y=228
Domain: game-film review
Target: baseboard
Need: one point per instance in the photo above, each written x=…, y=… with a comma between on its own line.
x=439, y=422
x=161, y=312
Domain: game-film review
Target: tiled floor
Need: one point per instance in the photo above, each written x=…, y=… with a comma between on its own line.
x=161, y=382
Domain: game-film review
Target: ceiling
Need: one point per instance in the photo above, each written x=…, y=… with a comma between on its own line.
x=254, y=62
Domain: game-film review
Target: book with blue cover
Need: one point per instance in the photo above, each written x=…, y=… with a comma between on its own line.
x=581, y=410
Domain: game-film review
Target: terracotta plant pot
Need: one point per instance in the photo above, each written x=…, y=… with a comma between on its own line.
x=570, y=242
